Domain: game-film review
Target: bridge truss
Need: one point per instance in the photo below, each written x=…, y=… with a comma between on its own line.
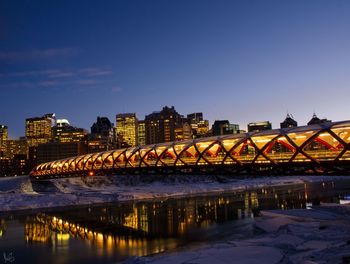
x=322, y=148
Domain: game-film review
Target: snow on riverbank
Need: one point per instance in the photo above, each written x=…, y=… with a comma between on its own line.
x=18, y=193
x=182, y=187
x=319, y=235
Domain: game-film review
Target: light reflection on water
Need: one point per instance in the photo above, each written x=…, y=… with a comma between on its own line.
x=115, y=232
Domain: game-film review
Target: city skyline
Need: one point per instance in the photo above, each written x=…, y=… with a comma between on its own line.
x=240, y=61
x=245, y=127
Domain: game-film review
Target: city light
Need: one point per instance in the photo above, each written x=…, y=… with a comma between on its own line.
x=311, y=144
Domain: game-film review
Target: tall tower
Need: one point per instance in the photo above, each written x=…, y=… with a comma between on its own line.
x=160, y=126
x=127, y=128
x=142, y=133
x=102, y=136
x=38, y=129
x=3, y=139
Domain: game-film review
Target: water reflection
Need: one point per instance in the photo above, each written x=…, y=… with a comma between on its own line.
x=2, y=227
x=148, y=227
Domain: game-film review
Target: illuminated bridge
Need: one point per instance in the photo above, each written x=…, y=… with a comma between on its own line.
x=322, y=148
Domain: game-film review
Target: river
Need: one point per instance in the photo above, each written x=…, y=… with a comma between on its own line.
x=120, y=231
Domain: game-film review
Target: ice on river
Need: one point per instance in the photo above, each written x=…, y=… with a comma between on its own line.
x=18, y=193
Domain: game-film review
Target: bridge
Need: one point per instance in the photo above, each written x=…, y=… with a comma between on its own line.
x=316, y=149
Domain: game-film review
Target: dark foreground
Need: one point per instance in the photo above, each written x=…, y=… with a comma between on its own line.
x=194, y=228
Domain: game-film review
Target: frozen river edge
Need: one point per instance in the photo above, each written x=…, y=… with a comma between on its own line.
x=17, y=193
x=318, y=235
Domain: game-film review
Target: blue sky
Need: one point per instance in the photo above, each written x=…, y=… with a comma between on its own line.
x=243, y=61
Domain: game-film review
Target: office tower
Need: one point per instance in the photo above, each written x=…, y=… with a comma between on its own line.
x=141, y=133
x=160, y=126
x=223, y=127
x=38, y=129
x=259, y=126
x=183, y=132
x=102, y=135
x=102, y=127
x=64, y=132
x=195, y=117
x=17, y=147
x=127, y=128
x=19, y=165
x=3, y=140
x=58, y=150
x=61, y=125
x=200, y=127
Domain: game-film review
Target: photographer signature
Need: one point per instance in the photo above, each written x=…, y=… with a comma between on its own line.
x=8, y=258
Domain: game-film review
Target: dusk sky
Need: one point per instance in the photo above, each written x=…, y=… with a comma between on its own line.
x=243, y=61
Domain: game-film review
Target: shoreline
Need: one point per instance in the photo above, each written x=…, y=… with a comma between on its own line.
x=317, y=235
x=75, y=193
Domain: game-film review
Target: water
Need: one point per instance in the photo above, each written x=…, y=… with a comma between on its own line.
x=116, y=232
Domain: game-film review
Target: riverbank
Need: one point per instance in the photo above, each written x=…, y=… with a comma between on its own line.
x=317, y=235
x=17, y=193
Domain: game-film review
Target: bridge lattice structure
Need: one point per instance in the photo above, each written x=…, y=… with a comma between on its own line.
x=323, y=148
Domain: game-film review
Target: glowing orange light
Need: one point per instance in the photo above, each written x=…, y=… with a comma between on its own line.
x=91, y=173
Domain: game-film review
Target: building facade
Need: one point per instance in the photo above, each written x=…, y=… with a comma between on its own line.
x=127, y=128
x=141, y=133
x=3, y=140
x=102, y=135
x=160, y=126
x=289, y=122
x=57, y=150
x=183, y=132
x=38, y=130
x=17, y=147
x=65, y=133
x=259, y=126
x=315, y=120
x=223, y=127
x=200, y=127
x=195, y=117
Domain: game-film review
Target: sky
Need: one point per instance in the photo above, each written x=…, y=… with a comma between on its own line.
x=244, y=61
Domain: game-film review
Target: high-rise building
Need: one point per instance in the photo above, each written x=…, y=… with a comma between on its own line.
x=74, y=135
x=103, y=127
x=17, y=147
x=38, y=129
x=223, y=127
x=57, y=150
x=102, y=135
x=60, y=126
x=127, y=128
x=315, y=120
x=183, y=132
x=160, y=126
x=259, y=126
x=19, y=164
x=64, y=132
x=200, y=127
x=3, y=140
x=289, y=122
x=141, y=133
x=195, y=117
x=5, y=166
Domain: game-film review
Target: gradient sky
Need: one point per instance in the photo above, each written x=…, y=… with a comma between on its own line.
x=243, y=61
